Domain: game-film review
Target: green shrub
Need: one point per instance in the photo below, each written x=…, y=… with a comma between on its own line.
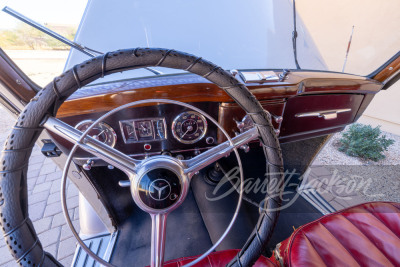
x=365, y=142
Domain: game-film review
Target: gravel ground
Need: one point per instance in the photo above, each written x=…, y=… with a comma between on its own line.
x=374, y=181
x=330, y=155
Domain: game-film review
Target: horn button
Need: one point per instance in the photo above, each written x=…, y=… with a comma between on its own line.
x=159, y=188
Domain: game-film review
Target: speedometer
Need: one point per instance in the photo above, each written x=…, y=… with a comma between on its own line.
x=189, y=127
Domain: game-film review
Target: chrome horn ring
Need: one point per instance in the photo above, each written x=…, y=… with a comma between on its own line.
x=157, y=221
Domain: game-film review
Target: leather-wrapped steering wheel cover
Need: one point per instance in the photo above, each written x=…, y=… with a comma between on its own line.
x=18, y=230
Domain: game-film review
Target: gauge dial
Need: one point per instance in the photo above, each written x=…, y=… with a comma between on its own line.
x=189, y=127
x=143, y=130
x=101, y=132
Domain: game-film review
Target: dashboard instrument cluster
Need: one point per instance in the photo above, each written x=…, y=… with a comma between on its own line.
x=151, y=130
x=143, y=130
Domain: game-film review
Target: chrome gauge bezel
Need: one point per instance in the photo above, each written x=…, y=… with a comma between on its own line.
x=111, y=129
x=177, y=137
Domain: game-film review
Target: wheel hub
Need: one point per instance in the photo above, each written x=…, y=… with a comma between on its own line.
x=159, y=188
x=160, y=185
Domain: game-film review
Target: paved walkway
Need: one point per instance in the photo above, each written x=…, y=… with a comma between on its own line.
x=44, y=183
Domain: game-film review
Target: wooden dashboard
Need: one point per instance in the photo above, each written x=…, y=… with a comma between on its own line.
x=305, y=105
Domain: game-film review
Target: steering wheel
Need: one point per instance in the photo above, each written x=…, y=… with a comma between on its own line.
x=18, y=229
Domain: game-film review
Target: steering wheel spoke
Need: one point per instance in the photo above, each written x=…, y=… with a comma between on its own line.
x=204, y=159
x=91, y=145
x=158, y=234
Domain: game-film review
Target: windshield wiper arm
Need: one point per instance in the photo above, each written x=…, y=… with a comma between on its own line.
x=34, y=24
x=86, y=50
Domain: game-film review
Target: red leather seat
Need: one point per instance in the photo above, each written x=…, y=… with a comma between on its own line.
x=217, y=259
x=363, y=235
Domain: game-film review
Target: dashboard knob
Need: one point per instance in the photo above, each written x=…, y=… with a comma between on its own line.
x=245, y=148
x=210, y=140
x=88, y=165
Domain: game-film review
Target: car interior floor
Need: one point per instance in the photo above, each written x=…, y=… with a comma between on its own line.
x=204, y=216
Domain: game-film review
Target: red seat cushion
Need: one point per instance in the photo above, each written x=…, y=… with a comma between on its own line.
x=363, y=235
x=217, y=259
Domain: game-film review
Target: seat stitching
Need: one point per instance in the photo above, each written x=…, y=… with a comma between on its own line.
x=366, y=237
x=209, y=260
x=314, y=248
x=339, y=243
x=385, y=225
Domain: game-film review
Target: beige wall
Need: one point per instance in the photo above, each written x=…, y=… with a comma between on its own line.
x=376, y=38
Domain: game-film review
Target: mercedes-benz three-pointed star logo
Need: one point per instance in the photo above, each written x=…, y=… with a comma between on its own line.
x=160, y=189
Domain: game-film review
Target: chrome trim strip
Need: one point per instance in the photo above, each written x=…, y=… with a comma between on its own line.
x=144, y=154
x=110, y=246
x=107, y=253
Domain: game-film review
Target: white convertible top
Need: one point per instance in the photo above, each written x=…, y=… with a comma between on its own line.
x=235, y=34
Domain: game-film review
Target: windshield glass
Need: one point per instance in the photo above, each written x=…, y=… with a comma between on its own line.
x=235, y=34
